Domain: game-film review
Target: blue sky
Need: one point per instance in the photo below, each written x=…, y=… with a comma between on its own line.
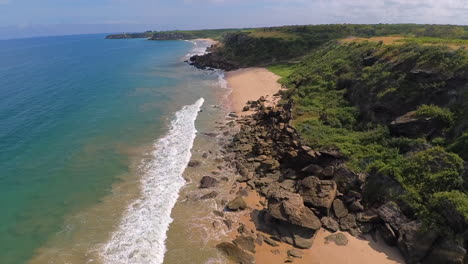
x=21, y=18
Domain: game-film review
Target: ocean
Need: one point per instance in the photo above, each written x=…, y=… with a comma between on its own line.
x=95, y=136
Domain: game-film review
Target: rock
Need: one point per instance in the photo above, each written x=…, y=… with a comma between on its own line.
x=205, y=155
x=303, y=242
x=270, y=241
x=218, y=213
x=237, y=204
x=414, y=241
x=328, y=172
x=290, y=207
x=330, y=223
x=445, y=251
x=339, y=208
x=412, y=126
x=368, y=216
x=388, y=234
x=246, y=108
x=194, y=163
x=346, y=179
x=348, y=222
x=259, y=240
x=317, y=193
x=313, y=169
x=391, y=214
x=235, y=253
x=228, y=223
x=356, y=206
x=339, y=239
x=245, y=242
x=210, y=195
x=294, y=253
x=208, y=182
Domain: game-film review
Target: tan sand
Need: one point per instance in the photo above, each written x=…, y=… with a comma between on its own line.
x=250, y=84
x=358, y=250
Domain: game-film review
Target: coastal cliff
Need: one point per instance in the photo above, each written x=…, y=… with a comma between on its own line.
x=369, y=138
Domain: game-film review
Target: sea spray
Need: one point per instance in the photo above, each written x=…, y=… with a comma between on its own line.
x=141, y=235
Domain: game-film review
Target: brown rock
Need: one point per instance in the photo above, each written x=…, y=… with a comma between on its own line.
x=339, y=208
x=290, y=207
x=245, y=242
x=237, y=204
x=330, y=224
x=208, y=182
x=318, y=193
x=235, y=253
x=339, y=239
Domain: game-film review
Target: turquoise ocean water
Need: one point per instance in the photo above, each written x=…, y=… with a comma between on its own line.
x=71, y=110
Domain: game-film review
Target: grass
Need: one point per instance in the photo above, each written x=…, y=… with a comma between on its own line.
x=335, y=95
x=282, y=70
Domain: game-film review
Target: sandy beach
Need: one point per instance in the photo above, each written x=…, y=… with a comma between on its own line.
x=251, y=84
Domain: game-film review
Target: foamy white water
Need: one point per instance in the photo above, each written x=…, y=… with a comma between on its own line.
x=141, y=235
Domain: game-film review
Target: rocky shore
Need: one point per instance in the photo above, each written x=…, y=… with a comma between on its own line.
x=305, y=190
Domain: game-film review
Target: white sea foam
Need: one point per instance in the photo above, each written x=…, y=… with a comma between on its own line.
x=141, y=235
x=199, y=48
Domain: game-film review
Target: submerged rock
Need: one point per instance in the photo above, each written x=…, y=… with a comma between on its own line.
x=235, y=253
x=237, y=204
x=208, y=182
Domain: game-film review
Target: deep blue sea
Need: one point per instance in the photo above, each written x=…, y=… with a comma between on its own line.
x=74, y=113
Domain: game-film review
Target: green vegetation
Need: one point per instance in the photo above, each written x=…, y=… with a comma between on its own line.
x=345, y=96
x=276, y=44
x=442, y=115
x=436, y=41
x=205, y=33
x=460, y=146
x=282, y=70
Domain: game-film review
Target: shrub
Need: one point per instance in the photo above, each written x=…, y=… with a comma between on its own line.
x=460, y=146
x=443, y=115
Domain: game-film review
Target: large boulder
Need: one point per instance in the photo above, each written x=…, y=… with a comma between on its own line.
x=245, y=242
x=237, y=204
x=290, y=207
x=208, y=182
x=415, y=241
x=318, y=193
x=235, y=253
x=412, y=126
x=391, y=214
x=339, y=208
x=446, y=251
x=346, y=179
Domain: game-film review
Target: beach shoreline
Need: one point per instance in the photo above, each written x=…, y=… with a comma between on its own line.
x=249, y=85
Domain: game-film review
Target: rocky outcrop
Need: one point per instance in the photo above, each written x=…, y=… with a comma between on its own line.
x=318, y=193
x=415, y=241
x=307, y=189
x=412, y=126
x=235, y=253
x=213, y=61
x=290, y=207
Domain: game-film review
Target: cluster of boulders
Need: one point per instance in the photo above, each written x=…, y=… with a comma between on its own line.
x=307, y=190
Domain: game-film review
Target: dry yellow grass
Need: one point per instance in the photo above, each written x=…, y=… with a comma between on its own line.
x=386, y=40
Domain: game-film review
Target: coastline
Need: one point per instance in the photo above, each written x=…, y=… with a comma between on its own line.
x=250, y=84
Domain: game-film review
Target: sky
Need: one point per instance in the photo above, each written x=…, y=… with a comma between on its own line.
x=25, y=18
